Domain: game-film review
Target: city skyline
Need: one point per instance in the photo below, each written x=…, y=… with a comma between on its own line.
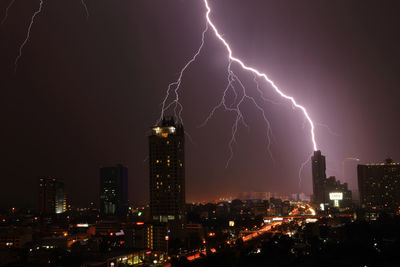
x=68, y=121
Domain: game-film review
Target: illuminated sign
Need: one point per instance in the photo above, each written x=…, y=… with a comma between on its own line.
x=336, y=196
x=277, y=219
x=82, y=225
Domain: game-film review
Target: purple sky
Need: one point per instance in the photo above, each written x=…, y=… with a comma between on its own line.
x=86, y=92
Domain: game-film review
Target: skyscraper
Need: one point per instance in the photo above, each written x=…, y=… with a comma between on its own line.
x=318, y=177
x=327, y=190
x=114, y=190
x=51, y=197
x=167, y=172
x=379, y=186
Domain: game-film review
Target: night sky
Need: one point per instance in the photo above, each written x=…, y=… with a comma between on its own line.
x=86, y=92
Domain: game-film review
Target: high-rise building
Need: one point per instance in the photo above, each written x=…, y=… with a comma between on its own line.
x=379, y=186
x=167, y=172
x=114, y=190
x=51, y=197
x=318, y=177
x=327, y=191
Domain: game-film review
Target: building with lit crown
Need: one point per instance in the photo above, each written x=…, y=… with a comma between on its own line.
x=167, y=172
x=379, y=186
x=167, y=182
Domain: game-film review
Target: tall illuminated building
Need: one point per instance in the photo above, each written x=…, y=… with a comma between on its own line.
x=51, y=196
x=379, y=186
x=167, y=172
x=114, y=190
x=318, y=177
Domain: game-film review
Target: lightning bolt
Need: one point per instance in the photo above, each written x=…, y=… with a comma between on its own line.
x=262, y=93
x=329, y=129
x=175, y=86
x=28, y=34
x=259, y=74
x=6, y=13
x=86, y=8
x=240, y=93
x=235, y=107
x=302, y=167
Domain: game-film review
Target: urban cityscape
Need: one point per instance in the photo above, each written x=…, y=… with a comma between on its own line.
x=168, y=231
x=91, y=177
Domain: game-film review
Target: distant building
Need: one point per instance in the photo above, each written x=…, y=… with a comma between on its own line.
x=379, y=186
x=302, y=197
x=167, y=172
x=15, y=237
x=335, y=190
x=275, y=207
x=114, y=190
x=261, y=195
x=327, y=191
x=140, y=236
x=261, y=208
x=194, y=236
x=51, y=196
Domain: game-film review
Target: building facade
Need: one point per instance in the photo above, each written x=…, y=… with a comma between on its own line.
x=167, y=184
x=167, y=172
x=114, y=190
x=379, y=186
x=51, y=196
